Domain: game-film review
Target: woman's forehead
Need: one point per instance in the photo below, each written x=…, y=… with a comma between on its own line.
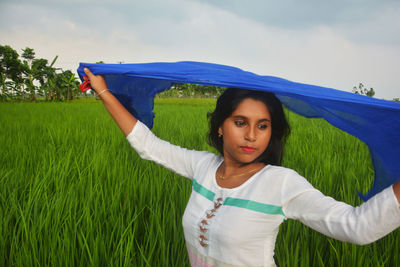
x=250, y=108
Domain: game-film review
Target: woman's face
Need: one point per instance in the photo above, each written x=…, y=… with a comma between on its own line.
x=246, y=132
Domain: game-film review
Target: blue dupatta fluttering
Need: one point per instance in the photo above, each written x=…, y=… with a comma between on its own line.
x=375, y=122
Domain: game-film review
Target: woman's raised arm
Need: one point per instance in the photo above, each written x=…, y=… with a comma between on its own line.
x=125, y=120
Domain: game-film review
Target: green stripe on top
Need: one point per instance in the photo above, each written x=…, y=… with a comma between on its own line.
x=253, y=205
x=202, y=190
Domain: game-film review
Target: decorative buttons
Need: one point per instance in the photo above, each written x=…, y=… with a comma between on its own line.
x=210, y=213
x=218, y=203
x=203, y=225
x=204, y=222
x=203, y=241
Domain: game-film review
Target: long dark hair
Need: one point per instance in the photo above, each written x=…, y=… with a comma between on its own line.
x=226, y=105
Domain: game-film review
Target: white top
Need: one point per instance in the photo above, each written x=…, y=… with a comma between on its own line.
x=238, y=226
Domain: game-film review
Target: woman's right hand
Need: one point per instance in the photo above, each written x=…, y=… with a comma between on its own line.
x=125, y=120
x=97, y=82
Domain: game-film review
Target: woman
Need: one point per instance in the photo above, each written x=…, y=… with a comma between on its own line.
x=240, y=198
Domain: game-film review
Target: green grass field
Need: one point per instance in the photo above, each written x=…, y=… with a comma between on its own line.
x=74, y=193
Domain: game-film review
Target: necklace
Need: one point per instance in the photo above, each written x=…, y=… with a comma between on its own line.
x=236, y=175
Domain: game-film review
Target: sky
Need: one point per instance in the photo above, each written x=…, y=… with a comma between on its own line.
x=336, y=44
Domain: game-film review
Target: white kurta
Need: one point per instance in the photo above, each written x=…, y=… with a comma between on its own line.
x=238, y=226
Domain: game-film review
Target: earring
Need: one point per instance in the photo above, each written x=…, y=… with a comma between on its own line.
x=219, y=135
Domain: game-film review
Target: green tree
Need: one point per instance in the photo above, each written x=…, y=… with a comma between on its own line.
x=6, y=87
x=28, y=54
x=69, y=85
x=362, y=90
x=10, y=72
x=37, y=72
x=44, y=74
x=33, y=77
x=63, y=86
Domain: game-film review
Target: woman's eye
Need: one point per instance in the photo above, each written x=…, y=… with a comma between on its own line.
x=262, y=126
x=240, y=123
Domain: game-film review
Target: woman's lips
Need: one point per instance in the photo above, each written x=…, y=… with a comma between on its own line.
x=248, y=149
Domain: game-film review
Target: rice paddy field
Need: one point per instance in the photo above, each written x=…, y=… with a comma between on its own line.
x=74, y=193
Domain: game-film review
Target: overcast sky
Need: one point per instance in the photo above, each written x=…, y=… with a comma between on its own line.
x=336, y=44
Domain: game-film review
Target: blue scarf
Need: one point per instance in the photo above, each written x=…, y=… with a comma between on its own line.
x=375, y=122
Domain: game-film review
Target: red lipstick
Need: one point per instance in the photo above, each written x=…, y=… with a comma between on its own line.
x=248, y=149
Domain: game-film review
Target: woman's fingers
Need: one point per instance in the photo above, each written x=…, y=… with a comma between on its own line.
x=88, y=72
x=96, y=81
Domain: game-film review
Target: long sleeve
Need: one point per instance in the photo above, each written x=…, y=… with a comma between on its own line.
x=360, y=225
x=148, y=146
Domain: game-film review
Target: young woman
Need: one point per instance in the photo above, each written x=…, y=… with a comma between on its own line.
x=240, y=197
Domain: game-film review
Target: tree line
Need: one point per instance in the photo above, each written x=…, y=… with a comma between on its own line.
x=192, y=90
x=29, y=78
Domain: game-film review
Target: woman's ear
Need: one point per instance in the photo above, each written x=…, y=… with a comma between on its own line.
x=220, y=132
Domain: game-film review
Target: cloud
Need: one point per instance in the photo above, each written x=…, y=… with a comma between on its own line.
x=333, y=51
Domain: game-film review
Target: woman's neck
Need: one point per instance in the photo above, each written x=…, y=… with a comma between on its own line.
x=234, y=175
x=233, y=168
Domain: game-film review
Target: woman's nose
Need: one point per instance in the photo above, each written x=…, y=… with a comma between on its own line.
x=251, y=135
